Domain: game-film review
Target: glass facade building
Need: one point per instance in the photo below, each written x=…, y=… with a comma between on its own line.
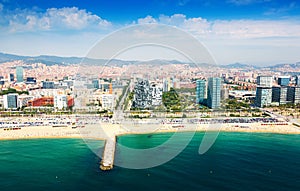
x=10, y=101
x=19, y=74
x=263, y=96
x=200, y=91
x=214, y=93
x=283, y=80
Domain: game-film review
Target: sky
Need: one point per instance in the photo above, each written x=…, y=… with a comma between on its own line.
x=255, y=32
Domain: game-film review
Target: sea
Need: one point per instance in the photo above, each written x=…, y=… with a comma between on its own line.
x=236, y=161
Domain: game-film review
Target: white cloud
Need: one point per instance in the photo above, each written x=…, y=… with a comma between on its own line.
x=147, y=20
x=238, y=29
x=54, y=19
x=246, y=41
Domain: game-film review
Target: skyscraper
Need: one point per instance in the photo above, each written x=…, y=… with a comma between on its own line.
x=200, y=91
x=265, y=81
x=214, y=93
x=19, y=74
x=279, y=94
x=293, y=94
x=142, y=94
x=11, y=77
x=297, y=80
x=263, y=96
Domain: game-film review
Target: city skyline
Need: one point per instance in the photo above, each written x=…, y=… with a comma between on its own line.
x=247, y=31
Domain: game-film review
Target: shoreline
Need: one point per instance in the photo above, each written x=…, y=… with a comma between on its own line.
x=108, y=131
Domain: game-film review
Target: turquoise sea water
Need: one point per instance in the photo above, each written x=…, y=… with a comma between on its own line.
x=237, y=161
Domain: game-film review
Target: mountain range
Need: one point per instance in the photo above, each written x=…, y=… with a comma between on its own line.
x=53, y=60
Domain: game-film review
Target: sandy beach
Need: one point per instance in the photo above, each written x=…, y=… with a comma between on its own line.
x=108, y=130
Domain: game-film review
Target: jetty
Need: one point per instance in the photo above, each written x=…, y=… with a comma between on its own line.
x=107, y=161
x=108, y=155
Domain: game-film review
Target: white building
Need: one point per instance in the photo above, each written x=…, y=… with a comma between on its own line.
x=107, y=101
x=156, y=92
x=60, y=101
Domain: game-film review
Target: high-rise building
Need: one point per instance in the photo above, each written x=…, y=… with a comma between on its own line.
x=263, y=96
x=283, y=80
x=156, y=93
x=166, y=86
x=265, y=81
x=214, y=93
x=11, y=101
x=200, y=91
x=293, y=94
x=19, y=74
x=11, y=77
x=279, y=94
x=297, y=80
x=60, y=101
x=142, y=94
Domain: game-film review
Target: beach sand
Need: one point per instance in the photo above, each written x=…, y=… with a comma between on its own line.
x=108, y=130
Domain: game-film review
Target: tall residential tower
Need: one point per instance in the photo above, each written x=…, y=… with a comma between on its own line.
x=214, y=93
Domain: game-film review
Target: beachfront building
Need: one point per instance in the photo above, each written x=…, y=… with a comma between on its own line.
x=142, y=94
x=264, y=81
x=156, y=94
x=283, y=80
x=19, y=74
x=214, y=93
x=279, y=94
x=11, y=101
x=60, y=101
x=147, y=94
x=200, y=91
x=293, y=94
x=263, y=96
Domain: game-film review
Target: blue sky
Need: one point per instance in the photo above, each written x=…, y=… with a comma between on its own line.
x=248, y=31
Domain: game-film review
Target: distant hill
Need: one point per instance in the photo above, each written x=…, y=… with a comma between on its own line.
x=240, y=65
x=295, y=65
x=53, y=60
x=48, y=60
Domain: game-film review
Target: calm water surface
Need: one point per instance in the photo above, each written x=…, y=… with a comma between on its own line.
x=237, y=161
